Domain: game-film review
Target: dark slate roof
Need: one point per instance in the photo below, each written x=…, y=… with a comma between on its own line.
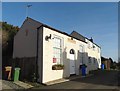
x=74, y=34
x=77, y=35
x=81, y=37
x=44, y=25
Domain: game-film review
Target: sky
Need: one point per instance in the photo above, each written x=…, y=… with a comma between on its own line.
x=98, y=20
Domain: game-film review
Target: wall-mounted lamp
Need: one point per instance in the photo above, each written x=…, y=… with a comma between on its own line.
x=48, y=37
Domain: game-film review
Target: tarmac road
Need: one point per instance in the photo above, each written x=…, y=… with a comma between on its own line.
x=102, y=79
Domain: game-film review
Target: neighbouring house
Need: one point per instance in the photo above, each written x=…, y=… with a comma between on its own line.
x=106, y=62
x=38, y=48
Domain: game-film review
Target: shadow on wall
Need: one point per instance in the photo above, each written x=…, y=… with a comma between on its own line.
x=27, y=67
x=66, y=64
x=100, y=77
x=82, y=58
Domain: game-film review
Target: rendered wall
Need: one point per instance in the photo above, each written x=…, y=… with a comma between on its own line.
x=48, y=73
x=25, y=44
x=93, y=53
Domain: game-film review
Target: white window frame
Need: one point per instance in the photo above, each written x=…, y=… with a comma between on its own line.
x=98, y=50
x=60, y=49
x=94, y=60
x=89, y=60
x=82, y=51
x=88, y=44
x=94, y=47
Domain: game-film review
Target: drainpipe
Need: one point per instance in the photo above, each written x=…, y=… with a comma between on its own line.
x=36, y=67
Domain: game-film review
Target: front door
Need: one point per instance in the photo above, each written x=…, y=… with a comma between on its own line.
x=72, y=64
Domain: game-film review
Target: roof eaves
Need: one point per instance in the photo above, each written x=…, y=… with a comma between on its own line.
x=62, y=32
x=86, y=38
x=55, y=29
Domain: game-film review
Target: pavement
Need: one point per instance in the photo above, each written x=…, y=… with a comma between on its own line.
x=10, y=85
x=23, y=84
x=3, y=85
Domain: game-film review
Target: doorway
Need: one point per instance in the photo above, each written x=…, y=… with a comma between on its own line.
x=72, y=62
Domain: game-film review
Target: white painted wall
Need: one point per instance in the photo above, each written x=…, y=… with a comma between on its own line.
x=93, y=53
x=48, y=73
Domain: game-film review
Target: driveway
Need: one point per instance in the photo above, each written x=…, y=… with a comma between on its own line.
x=101, y=79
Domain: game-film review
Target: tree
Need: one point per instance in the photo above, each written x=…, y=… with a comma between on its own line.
x=113, y=64
x=8, y=33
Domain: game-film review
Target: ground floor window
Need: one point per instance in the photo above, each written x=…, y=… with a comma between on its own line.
x=57, y=55
x=89, y=60
x=57, y=50
x=94, y=60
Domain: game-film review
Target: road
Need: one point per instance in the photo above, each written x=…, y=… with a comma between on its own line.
x=100, y=80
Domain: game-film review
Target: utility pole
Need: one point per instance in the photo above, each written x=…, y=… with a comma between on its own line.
x=28, y=6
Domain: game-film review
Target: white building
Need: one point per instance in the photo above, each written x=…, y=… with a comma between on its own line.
x=37, y=47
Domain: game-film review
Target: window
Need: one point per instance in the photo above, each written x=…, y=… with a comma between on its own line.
x=94, y=47
x=88, y=44
x=72, y=51
x=94, y=60
x=82, y=49
x=57, y=50
x=98, y=50
x=89, y=60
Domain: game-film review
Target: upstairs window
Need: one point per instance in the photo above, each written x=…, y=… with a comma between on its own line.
x=94, y=47
x=98, y=50
x=88, y=44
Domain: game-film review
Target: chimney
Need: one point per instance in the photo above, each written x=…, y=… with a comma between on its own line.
x=91, y=39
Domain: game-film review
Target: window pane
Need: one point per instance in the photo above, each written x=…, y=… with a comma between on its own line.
x=57, y=49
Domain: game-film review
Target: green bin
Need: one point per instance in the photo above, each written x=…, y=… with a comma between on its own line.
x=16, y=74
